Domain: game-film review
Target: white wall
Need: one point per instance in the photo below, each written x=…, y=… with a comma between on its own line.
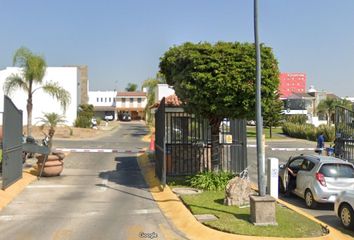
x=163, y=90
x=102, y=98
x=67, y=77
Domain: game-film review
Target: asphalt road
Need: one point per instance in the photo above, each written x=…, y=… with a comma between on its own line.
x=98, y=196
x=323, y=212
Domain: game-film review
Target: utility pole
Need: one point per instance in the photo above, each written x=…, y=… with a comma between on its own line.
x=259, y=119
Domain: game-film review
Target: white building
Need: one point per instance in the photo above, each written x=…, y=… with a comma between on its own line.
x=163, y=90
x=132, y=102
x=104, y=103
x=67, y=77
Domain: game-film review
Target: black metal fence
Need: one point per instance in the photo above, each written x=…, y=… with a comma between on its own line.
x=344, y=143
x=186, y=140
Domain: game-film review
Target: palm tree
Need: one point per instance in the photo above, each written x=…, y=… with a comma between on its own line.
x=51, y=120
x=328, y=107
x=33, y=70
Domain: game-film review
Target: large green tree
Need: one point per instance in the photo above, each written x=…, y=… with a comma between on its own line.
x=30, y=80
x=219, y=80
x=132, y=87
x=328, y=107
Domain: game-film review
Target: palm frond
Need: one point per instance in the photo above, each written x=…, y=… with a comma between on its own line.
x=14, y=82
x=51, y=119
x=59, y=93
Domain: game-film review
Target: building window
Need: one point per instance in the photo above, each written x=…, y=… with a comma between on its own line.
x=98, y=99
x=109, y=99
x=101, y=99
x=131, y=100
x=139, y=100
x=105, y=99
x=123, y=100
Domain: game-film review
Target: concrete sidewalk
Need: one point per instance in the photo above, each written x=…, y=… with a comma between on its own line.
x=186, y=223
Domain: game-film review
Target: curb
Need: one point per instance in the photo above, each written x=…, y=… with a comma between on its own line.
x=6, y=196
x=185, y=222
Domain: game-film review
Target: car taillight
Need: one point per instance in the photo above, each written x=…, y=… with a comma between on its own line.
x=321, y=179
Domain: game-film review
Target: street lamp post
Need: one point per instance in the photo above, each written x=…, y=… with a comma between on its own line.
x=259, y=119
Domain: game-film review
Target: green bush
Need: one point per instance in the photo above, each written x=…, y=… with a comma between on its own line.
x=84, y=116
x=82, y=122
x=297, y=118
x=98, y=120
x=329, y=132
x=211, y=181
x=308, y=131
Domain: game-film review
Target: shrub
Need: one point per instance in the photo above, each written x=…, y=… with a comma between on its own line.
x=211, y=181
x=308, y=131
x=82, y=122
x=98, y=120
x=297, y=118
x=328, y=132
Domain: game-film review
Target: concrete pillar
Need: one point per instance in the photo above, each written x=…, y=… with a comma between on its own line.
x=263, y=210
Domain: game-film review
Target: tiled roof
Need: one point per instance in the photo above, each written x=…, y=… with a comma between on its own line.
x=170, y=101
x=131, y=94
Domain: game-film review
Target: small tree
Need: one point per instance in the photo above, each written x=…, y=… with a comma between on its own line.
x=132, y=87
x=272, y=114
x=51, y=120
x=84, y=116
x=151, y=85
x=218, y=81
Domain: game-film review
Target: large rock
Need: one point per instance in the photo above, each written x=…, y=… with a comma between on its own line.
x=237, y=191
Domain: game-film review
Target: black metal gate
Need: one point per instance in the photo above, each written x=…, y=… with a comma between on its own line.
x=12, y=144
x=184, y=141
x=344, y=143
x=159, y=139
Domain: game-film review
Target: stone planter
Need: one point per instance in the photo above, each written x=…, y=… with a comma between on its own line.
x=53, y=166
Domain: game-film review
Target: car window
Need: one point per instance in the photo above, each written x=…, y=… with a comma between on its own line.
x=296, y=164
x=307, y=165
x=337, y=170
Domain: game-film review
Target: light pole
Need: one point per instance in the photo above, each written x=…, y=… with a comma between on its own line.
x=259, y=119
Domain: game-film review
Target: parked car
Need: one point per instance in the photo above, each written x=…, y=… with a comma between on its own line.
x=108, y=117
x=125, y=117
x=343, y=208
x=319, y=179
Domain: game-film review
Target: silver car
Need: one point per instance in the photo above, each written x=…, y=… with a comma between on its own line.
x=319, y=179
x=343, y=208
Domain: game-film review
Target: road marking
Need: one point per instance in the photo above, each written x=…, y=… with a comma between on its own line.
x=293, y=149
x=97, y=150
x=146, y=211
x=53, y=186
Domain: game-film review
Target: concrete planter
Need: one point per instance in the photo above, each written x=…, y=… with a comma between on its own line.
x=53, y=166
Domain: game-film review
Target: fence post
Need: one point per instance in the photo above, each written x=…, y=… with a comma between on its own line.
x=164, y=164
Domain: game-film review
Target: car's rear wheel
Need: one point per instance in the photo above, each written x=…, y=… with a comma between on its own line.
x=346, y=215
x=309, y=200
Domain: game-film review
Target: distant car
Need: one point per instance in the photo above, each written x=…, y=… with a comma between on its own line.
x=251, y=123
x=108, y=117
x=343, y=208
x=319, y=178
x=126, y=117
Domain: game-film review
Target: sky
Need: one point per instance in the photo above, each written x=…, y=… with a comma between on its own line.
x=122, y=41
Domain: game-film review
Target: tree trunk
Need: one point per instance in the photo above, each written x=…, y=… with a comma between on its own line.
x=29, y=115
x=215, y=143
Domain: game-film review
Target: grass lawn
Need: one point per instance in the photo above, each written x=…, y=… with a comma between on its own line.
x=276, y=132
x=236, y=220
